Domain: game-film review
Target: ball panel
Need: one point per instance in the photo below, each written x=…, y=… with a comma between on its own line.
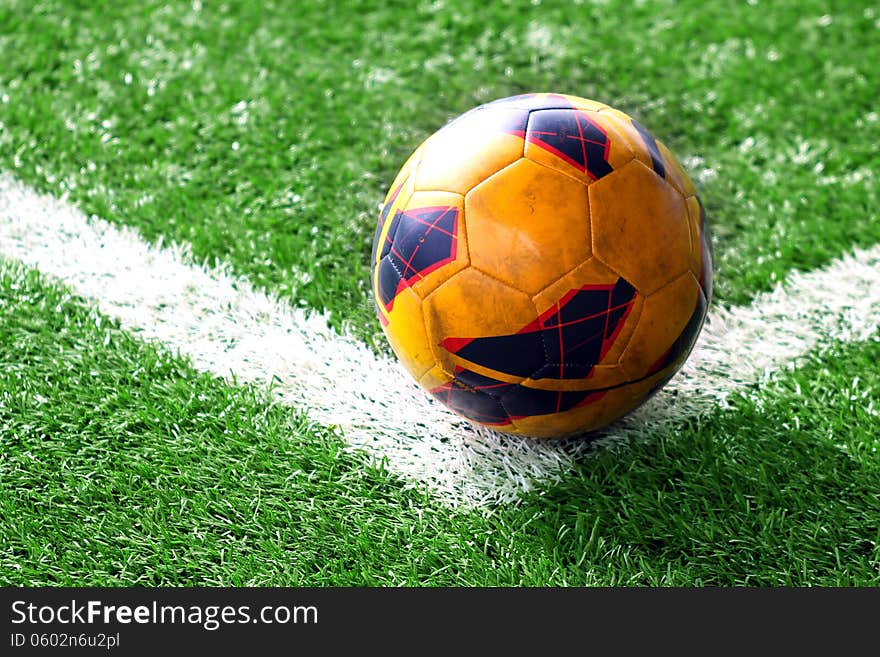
x=681, y=348
x=563, y=343
x=665, y=316
x=423, y=243
x=640, y=227
x=707, y=274
x=701, y=246
x=585, y=376
x=607, y=376
x=600, y=378
x=473, y=305
x=649, y=151
x=575, y=142
x=515, y=408
x=595, y=273
x=675, y=173
x=470, y=149
x=406, y=334
x=439, y=243
x=519, y=215
x=476, y=397
x=694, y=220
x=434, y=378
x=639, y=144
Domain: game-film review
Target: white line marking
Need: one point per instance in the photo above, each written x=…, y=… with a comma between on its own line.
x=225, y=326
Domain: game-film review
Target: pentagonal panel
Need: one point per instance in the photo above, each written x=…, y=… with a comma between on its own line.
x=528, y=225
x=640, y=227
x=472, y=306
x=579, y=143
x=470, y=149
x=669, y=323
x=423, y=244
x=405, y=329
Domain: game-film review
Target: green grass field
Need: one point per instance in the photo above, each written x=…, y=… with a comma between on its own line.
x=265, y=138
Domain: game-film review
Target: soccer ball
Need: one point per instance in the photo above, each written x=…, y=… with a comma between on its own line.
x=542, y=265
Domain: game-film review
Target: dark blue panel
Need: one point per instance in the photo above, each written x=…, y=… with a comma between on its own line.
x=424, y=238
x=571, y=135
x=475, y=397
x=389, y=281
x=418, y=241
x=389, y=238
x=523, y=402
x=519, y=354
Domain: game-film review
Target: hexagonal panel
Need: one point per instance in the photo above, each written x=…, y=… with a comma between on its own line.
x=675, y=173
x=640, y=227
x=470, y=149
x=473, y=305
x=666, y=317
x=576, y=142
x=528, y=225
x=405, y=330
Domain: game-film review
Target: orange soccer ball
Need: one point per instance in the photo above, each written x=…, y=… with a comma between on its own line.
x=542, y=265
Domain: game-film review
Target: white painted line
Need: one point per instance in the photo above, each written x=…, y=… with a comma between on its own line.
x=227, y=327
